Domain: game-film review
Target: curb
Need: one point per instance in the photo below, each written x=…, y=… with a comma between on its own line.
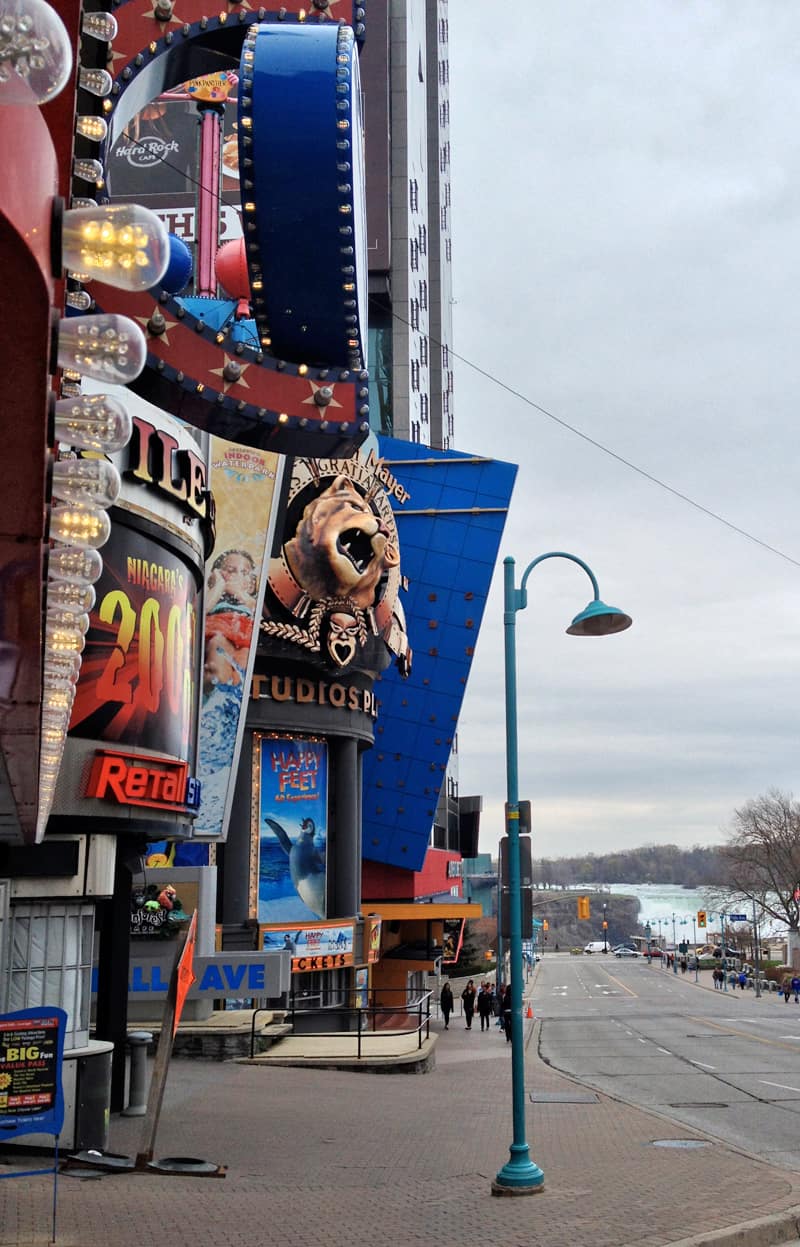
x=771, y=1231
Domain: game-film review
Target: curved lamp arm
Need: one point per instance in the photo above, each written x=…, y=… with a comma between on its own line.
x=521, y=593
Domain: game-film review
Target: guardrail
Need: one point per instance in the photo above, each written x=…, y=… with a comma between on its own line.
x=363, y=1020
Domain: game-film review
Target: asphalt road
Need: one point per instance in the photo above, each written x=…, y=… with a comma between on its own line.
x=726, y=1063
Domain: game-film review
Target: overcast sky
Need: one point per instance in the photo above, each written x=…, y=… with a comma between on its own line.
x=626, y=247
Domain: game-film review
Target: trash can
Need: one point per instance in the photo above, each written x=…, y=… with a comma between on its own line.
x=93, y=1098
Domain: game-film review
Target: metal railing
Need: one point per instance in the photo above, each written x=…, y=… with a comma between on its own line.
x=360, y=1020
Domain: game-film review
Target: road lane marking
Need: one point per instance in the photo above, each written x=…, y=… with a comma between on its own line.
x=782, y=1085
x=666, y=1051
x=642, y=1040
x=620, y=983
x=702, y=1064
x=731, y=1030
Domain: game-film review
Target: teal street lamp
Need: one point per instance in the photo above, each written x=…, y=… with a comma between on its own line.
x=520, y=1175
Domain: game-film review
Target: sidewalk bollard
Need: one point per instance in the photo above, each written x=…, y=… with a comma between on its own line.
x=138, y=1042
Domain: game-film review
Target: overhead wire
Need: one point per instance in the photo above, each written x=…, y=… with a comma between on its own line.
x=550, y=415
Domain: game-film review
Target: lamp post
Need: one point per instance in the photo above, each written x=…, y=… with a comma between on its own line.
x=605, y=929
x=696, y=958
x=520, y=1175
x=674, y=948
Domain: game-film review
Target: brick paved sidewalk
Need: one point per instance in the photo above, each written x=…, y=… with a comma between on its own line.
x=337, y=1159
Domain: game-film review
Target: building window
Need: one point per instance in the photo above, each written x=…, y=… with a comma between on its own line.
x=423, y=350
x=423, y=408
x=51, y=962
x=443, y=217
x=414, y=374
x=380, y=369
x=448, y=250
x=423, y=240
x=445, y=355
x=423, y=294
x=413, y=254
x=413, y=194
x=414, y=313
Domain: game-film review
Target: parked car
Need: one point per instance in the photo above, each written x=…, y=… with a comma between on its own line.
x=624, y=951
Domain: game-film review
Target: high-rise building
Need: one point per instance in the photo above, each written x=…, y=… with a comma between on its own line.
x=407, y=112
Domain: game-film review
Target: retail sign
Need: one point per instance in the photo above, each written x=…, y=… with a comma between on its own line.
x=31, y=1055
x=373, y=933
x=315, y=692
x=133, y=779
x=452, y=939
x=326, y=946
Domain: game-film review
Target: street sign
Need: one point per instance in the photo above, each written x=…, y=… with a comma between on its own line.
x=737, y=917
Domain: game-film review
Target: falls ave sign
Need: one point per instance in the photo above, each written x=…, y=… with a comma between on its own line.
x=223, y=974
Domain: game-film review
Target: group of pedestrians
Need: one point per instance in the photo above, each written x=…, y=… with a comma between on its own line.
x=488, y=1004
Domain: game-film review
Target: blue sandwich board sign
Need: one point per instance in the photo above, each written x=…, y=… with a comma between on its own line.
x=31, y=1091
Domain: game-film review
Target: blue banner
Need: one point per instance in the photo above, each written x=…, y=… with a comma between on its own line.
x=292, y=829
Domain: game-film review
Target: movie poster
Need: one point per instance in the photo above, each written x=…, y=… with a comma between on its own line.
x=138, y=680
x=243, y=481
x=452, y=939
x=292, y=779
x=323, y=946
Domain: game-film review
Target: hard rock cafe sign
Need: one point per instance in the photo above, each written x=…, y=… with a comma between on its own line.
x=337, y=578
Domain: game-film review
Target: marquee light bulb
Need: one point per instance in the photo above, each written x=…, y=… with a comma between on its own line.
x=94, y=481
x=92, y=422
x=63, y=619
x=74, y=566
x=100, y=26
x=78, y=525
x=80, y=300
x=35, y=52
x=88, y=170
x=107, y=347
x=74, y=598
x=63, y=641
x=96, y=81
x=93, y=128
x=65, y=665
x=124, y=245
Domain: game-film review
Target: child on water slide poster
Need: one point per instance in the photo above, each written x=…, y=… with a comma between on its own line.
x=293, y=829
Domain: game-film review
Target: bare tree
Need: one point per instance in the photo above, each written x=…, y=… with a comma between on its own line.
x=762, y=858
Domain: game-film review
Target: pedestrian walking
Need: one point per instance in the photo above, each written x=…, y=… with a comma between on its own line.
x=786, y=987
x=796, y=988
x=683, y=965
x=507, y=1013
x=498, y=1004
x=446, y=1003
x=468, y=998
x=485, y=1006
x=742, y=979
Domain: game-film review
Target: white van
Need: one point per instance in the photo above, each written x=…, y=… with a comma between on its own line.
x=596, y=946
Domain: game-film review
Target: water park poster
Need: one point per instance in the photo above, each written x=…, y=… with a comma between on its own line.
x=245, y=482
x=292, y=828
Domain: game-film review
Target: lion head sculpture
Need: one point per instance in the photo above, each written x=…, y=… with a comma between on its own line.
x=340, y=548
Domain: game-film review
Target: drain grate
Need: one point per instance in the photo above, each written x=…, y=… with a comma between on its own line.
x=680, y=1143
x=699, y=1104
x=562, y=1097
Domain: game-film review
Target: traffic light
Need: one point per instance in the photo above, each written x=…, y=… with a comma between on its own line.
x=583, y=907
x=605, y=925
x=545, y=925
x=701, y=917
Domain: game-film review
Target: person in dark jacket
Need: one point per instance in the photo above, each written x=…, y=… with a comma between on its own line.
x=446, y=1003
x=507, y=1013
x=468, y=997
x=485, y=1010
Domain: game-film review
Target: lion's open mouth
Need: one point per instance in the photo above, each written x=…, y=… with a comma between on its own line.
x=356, y=546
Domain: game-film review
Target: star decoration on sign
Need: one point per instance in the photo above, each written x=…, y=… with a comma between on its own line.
x=314, y=388
x=144, y=321
x=220, y=372
x=160, y=25
x=326, y=14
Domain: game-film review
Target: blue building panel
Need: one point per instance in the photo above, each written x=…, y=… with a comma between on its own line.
x=448, y=556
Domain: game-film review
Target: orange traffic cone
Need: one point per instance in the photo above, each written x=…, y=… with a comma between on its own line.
x=529, y=1014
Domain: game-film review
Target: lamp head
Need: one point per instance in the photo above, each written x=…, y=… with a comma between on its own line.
x=599, y=620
